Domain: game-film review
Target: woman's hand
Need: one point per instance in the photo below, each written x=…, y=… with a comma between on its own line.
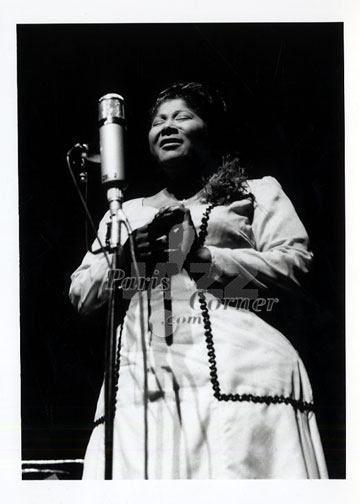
x=182, y=247
x=155, y=241
x=169, y=238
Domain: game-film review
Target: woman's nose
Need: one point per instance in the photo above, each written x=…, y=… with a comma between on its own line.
x=168, y=127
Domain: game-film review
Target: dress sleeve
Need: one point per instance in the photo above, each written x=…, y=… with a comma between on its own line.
x=87, y=289
x=281, y=254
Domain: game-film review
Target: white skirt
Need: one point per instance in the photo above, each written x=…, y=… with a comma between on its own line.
x=191, y=434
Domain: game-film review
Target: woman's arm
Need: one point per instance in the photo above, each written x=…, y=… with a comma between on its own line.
x=88, y=282
x=281, y=256
x=91, y=282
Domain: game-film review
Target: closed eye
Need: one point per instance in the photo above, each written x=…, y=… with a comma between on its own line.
x=183, y=117
x=157, y=122
x=178, y=115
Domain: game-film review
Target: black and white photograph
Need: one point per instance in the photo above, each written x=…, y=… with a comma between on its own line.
x=182, y=250
x=180, y=234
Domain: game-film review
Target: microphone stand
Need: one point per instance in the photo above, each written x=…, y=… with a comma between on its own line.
x=115, y=198
x=75, y=156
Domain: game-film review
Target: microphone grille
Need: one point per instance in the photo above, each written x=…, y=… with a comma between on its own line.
x=111, y=106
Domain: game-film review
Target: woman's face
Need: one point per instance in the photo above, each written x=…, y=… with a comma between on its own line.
x=178, y=135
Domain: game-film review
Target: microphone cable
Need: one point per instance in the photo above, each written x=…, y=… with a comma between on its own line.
x=83, y=200
x=143, y=345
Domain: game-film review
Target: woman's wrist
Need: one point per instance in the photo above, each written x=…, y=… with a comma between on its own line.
x=198, y=263
x=201, y=255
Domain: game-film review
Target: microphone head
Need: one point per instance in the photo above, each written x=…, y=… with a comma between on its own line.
x=112, y=139
x=111, y=108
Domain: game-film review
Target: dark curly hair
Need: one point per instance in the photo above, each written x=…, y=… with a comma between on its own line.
x=227, y=184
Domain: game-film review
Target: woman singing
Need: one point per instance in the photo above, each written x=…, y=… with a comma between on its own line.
x=227, y=394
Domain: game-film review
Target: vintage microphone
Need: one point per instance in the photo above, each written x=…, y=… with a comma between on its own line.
x=112, y=154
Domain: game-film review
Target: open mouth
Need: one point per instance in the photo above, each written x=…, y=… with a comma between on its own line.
x=170, y=142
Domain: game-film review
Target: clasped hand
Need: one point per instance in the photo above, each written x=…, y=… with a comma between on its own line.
x=169, y=238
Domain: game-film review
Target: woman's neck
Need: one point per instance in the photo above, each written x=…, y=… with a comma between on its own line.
x=184, y=180
x=184, y=189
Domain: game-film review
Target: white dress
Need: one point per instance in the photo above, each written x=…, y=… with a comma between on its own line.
x=272, y=431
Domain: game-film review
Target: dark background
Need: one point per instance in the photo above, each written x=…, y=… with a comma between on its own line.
x=283, y=84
